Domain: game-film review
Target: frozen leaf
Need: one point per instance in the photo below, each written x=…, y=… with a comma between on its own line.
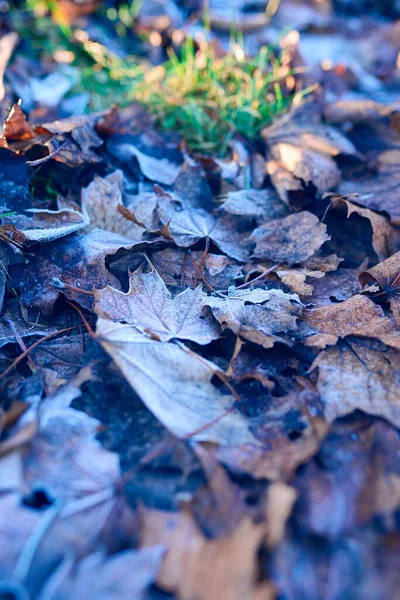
x=175, y=384
x=201, y=568
x=357, y=316
x=335, y=487
x=302, y=127
x=47, y=225
x=150, y=307
x=256, y=315
x=290, y=240
x=359, y=374
x=290, y=430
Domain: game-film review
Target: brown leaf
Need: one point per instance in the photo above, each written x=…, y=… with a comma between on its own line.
x=385, y=238
x=257, y=314
x=359, y=374
x=357, y=316
x=315, y=267
x=302, y=148
x=150, y=307
x=387, y=275
x=197, y=567
x=101, y=201
x=77, y=261
x=175, y=384
x=379, y=191
x=335, y=487
x=16, y=126
x=290, y=240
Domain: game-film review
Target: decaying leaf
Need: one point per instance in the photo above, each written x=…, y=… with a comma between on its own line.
x=387, y=275
x=196, y=567
x=100, y=202
x=385, y=238
x=302, y=151
x=77, y=261
x=359, y=374
x=150, y=307
x=175, y=384
x=290, y=240
x=256, y=315
x=262, y=204
x=358, y=316
x=379, y=190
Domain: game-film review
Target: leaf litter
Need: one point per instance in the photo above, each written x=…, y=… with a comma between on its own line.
x=199, y=336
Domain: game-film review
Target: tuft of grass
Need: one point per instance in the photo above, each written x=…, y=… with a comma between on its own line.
x=208, y=98
x=199, y=93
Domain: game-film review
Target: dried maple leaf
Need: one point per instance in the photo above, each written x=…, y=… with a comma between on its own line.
x=188, y=225
x=379, y=191
x=150, y=307
x=101, y=201
x=290, y=240
x=256, y=315
x=387, y=275
x=315, y=267
x=359, y=374
x=77, y=261
x=385, y=238
x=175, y=384
x=302, y=148
x=357, y=316
x=201, y=568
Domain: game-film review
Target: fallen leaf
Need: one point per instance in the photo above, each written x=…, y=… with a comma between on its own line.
x=379, y=190
x=256, y=315
x=359, y=374
x=290, y=240
x=158, y=163
x=77, y=261
x=196, y=567
x=357, y=316
x=301, y=149
x=315, y=267
x=100, y=202
x=262, y=204
x=385, y=238
x=175, y=384
x=387, y=275
x=47, y=225
x=127, y=574
x=150, y=307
